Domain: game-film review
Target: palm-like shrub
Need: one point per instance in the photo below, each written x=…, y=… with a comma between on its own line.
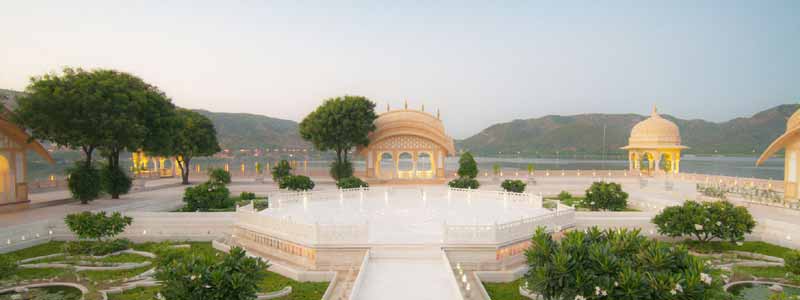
x=616, y=264
x=99, y=228
x=464, y=183
x=219, y=176
x=516, y=186
x=351, y=183
x=296, y=183
x=281, y=170
x=186, y=277
x=705, y=221
x=606, y=196
x=207, y=196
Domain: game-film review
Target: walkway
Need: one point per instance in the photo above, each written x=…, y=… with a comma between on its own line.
x=404, y=273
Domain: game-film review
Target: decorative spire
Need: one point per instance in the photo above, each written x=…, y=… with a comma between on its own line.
x=438, y=116
x=423, y=107
x=387, y=107
x=405, y=106
x=655, y=111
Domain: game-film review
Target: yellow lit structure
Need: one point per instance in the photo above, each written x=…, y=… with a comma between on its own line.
x=655, y=141
x=407, y=144
x=14, y=145
x=144, y=165
x=790, y=142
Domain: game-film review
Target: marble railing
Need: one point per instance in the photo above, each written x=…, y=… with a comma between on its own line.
x=498, y=233
x=302, y=233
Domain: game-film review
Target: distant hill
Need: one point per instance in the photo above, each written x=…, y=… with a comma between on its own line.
x=584, y=134
x=249, y=131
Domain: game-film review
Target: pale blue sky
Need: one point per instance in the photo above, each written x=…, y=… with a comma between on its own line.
x=481, y=62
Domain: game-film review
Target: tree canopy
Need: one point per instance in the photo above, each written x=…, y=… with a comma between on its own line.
x=467, y=167
x=193, y=135
x=705, y=221
x=340, y=124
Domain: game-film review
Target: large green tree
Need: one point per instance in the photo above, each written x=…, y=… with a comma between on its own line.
x=340, y=124
x=193, y=135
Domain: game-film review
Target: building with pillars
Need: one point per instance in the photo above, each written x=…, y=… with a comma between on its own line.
x=157, y=166
x=790, y=142
x=14, y=146
x=655, y=146
x=407, y=144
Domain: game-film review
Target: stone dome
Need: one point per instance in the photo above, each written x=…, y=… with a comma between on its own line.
x=410, y=122
x=655, y=132
x=791, y=136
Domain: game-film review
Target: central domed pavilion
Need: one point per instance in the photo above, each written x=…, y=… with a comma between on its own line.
x=790, y=142
x=655, y=140
x=406, y=145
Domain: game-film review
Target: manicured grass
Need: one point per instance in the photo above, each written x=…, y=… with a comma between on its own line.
x=300, y=290
x=777, y=273
x=31, y=274
x=103, y=276
x=144, y=293
x=754, y=247
x=504, y=291
x=38, y=250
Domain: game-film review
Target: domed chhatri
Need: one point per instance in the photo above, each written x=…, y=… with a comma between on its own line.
x=655, y=140
x=407, y=144
x=790, y=141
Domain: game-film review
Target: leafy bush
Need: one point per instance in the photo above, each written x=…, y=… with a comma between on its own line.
x=219, y=176
x=616, y=264
x=97, y=226
x=8, y=266
x=705, y=221
x=84, y=182
x=115, y=181
x=186, y=277
x=564, y=195
x=96, y=248
x=606, y=196
x=496, y=169
x=464, y=183
x=351, y=183
x=281, y=170
x=206, y=196
x=296, y=183
x=247, y=196
x=516, y=186
x=260, y=204
x=467, y=167
x=340, y=170
x=792, y=261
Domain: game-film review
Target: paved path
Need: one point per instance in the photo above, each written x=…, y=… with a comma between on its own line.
x=407, y=273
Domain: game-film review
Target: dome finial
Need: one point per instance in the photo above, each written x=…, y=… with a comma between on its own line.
x=655, y=111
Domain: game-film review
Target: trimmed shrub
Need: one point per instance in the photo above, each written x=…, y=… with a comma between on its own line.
x=237, y=276
x=296, y=183
x=516, y=186
x=351, y=183
x=464, y=183
x=792, y=262
x=705, y=221
x=564, y=195
x=260, y=204
x=340, y=170
x=219, y=176
x=606, y=196
x=206, y=196
x=97, y=226
x=84, y=182
x=8, y=266
x=467, y=167
x=115, y=181
x=247, y=196
x=281, y=170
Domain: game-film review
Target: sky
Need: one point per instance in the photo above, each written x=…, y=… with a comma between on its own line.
x=479, y=62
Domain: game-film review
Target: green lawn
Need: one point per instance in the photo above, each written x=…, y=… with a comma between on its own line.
x=38, y=250
x=136, y=294
x=300, y=290
x=776, y=273
x=753, y=247
x=504, y=291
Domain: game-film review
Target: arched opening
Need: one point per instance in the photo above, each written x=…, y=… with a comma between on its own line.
x=6, y=192
x=424, y=166
x=665, y=162
x=646, y=162
x=386, y=165
x=405, y=166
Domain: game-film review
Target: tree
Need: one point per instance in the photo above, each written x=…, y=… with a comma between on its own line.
x=84, y=183
x=467, y=167
x=281, y=170
x=606, y=196
x=97, y=226
x=340, y=124
x=207, y=196
x=193, y=135
x=188, y=277
x=616, y=264
x=99, y=109
x=114, y=180
x=705, y=221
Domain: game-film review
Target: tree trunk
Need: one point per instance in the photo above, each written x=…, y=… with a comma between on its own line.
x=113, y=164
x=87, y=150
x=184, y=166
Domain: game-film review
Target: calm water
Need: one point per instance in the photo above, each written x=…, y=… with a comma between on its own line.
x=749, y=291
x=729, y=166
